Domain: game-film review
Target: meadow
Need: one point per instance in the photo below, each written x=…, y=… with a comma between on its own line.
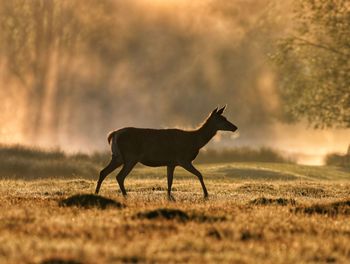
x=256, y=213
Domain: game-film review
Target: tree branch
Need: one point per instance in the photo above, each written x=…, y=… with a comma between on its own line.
x=331, y=49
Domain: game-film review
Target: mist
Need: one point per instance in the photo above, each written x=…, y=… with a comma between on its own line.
x=71, y=71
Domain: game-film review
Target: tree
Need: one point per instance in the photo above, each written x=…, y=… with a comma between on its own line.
x=40, y=40
x=314, y=64
x=33, y=34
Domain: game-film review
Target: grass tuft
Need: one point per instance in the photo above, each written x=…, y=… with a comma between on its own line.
x=214, y=233
x=331, y=209
x=202, y=218
x=247, y=235
x=272, y=201
x=90, y=201
x=164, y=213
x=60, y=261
x=131, y=259
x=177, y=214
x=307, y=191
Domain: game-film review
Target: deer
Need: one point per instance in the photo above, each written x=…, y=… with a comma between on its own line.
x=162, y=147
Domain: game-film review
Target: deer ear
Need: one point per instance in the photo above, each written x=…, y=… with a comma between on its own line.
x=221, y=110
x=214, y=111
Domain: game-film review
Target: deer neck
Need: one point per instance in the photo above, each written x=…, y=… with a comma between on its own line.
x=204, y=134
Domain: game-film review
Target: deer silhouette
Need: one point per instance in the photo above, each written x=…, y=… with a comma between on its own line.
x=162, y=147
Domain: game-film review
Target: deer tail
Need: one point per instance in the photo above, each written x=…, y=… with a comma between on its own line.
x=110, y=136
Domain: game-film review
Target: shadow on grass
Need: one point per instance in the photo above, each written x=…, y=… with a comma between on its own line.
x=164, y=213
x=247, y=235
x=176, y=214
x=59, y=261
x=272, y=201
x=255, y=174
x=331, y=209
x=87, y=201
x=130, y=259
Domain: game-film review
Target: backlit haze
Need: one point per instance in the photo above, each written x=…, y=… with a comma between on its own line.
x=153, y=63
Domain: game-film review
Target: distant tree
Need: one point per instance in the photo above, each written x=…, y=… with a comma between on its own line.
x=33, y=34
x=40, y=40
x=314, y=64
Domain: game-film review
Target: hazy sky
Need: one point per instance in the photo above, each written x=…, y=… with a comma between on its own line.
x=151, y=63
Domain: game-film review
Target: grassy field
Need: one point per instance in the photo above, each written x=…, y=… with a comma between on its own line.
x=256, y=213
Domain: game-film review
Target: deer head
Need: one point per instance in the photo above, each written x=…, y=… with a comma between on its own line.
x=219, y=122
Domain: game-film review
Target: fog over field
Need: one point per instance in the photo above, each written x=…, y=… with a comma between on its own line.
x=71, y=71
x=277, y=190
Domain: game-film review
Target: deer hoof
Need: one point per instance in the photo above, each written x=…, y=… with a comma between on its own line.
x=171, y=198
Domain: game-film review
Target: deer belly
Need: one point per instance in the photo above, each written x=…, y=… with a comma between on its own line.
x=158, y=163
x=162, y=155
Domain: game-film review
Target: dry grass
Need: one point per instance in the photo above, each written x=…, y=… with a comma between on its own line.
x=256, y=214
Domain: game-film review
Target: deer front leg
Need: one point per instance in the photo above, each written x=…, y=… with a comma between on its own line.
x=190, y=168
x=113, y=164
x=122, y=175
x=170, y=175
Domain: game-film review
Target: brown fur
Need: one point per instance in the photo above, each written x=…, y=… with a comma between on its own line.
x=161, y=147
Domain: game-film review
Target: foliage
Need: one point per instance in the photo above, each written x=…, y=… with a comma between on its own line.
x=314, y=64
x=243, y=154
x=30, y=163
x=335, y=159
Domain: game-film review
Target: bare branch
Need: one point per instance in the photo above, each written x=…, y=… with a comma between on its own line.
x=328, y=48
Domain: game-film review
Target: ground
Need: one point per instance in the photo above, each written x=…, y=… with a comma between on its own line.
x=256, y=213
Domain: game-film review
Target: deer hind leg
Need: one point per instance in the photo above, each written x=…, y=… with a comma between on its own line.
x=128, y=166
x=113, y=164
x=170, y=175
x=190, y=168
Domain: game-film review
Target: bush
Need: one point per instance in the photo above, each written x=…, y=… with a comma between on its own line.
x=243, y=154
x=30, y=163
x=335, y=159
